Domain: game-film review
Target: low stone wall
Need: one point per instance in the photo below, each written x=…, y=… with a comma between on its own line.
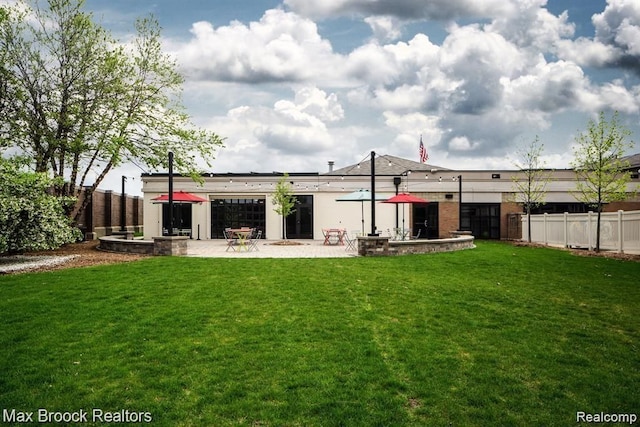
x=165, y=245
x=170, y=245
x=120, y=244
x=424, y=246
x=373, y=246
x=381, y=246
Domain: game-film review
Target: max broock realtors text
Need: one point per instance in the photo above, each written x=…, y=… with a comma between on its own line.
x=78, y=416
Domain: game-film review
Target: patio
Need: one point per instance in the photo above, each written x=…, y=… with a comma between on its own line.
x=217, y=248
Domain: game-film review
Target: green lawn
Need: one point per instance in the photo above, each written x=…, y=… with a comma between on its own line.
x=498, y=335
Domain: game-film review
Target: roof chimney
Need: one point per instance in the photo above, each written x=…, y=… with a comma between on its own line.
x=331, y=163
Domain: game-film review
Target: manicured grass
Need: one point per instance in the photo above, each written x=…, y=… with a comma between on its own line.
x=498, y=335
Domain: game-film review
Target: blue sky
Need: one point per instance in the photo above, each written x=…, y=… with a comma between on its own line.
x=292, y=84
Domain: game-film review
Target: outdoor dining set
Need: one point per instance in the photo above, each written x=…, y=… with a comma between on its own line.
x=339, y=236
x=245, y=238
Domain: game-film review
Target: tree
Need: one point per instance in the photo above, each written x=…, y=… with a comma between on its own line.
x=284, y=201
x=602, y=175
x=30, y=217
x=76, y=101
x=531, y=189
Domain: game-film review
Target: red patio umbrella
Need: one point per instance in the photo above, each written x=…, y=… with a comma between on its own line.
x=179, y=197
x=403, y=198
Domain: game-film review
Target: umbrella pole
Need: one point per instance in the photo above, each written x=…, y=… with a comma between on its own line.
x=362, y=215
x=402, y=231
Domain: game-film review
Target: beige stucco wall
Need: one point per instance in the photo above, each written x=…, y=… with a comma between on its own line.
x=478, y=187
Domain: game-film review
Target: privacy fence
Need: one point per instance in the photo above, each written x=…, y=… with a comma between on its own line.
x=103, y=215
x=619, y=231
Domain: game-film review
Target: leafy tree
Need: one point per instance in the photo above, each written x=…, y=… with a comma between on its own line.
x=30, y=217
x=531, y=184
x=75, y=100
x=602, y=174
x=284, y=200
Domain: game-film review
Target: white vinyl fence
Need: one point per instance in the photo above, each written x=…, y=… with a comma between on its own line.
x=619, y=231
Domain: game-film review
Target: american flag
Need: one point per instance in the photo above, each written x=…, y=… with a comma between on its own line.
x=424, y=156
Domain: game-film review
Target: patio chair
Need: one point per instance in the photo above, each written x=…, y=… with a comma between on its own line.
x=350, y=241
x=417, y=236
x=231, y=241
x=253, y=242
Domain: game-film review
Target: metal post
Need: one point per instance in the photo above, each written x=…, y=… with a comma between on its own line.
x=459, y=202
x=373, y=194
x=170, y=193
x=397, y=181
x=123, y=207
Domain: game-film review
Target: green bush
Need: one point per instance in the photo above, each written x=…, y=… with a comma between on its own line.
x=30, y=217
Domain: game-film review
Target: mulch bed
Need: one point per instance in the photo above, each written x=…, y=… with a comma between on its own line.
x=86, y=254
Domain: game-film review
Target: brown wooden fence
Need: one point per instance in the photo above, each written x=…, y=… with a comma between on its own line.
x=102, y=217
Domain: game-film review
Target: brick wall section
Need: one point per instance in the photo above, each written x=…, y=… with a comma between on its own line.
x=506, y=208
x=102, y=216
x=622, y=206
x=448, y=217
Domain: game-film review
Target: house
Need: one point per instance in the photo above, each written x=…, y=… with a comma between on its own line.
x=488, y=208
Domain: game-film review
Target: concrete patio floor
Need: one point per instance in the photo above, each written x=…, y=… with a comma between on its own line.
x=266, y=249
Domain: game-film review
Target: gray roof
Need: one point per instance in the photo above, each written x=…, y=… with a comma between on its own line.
x=385, y=165
x=634, y=160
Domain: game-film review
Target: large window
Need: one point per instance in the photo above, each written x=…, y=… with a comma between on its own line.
x=236, y=213
x=300, y=222
x=560, y=208
x=425, y=220
x=181, y=219
x=482, y=219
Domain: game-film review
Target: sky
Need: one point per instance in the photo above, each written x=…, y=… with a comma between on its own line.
x=293, y=84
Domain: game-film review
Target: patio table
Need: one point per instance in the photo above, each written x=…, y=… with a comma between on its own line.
x=333, y=236
x=243, y=235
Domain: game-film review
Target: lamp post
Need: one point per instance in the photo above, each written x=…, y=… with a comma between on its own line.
x=459, y=202
x=397, y=181
x=373, y=194
x=123, y=206
x=170, y=193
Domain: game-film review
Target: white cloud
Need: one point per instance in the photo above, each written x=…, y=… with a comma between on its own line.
x=385, y=28
x=616, y=42
x=587, y=52
x=530, y=25
x=290, y=135
x=612, y=96
x=548, y=87
x=282, y=46
x=461, y=143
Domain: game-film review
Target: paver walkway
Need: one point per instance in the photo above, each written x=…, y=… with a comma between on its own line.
x=266, y=249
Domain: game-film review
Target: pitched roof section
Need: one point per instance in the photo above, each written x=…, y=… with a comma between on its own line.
x=385, y=165
x=634, y=160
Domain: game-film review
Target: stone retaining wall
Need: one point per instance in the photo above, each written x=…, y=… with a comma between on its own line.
x=165, y=245
x=119, y=244
x=170, y=245
x=429, y=246
x=373, y=246
x=381, y=246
